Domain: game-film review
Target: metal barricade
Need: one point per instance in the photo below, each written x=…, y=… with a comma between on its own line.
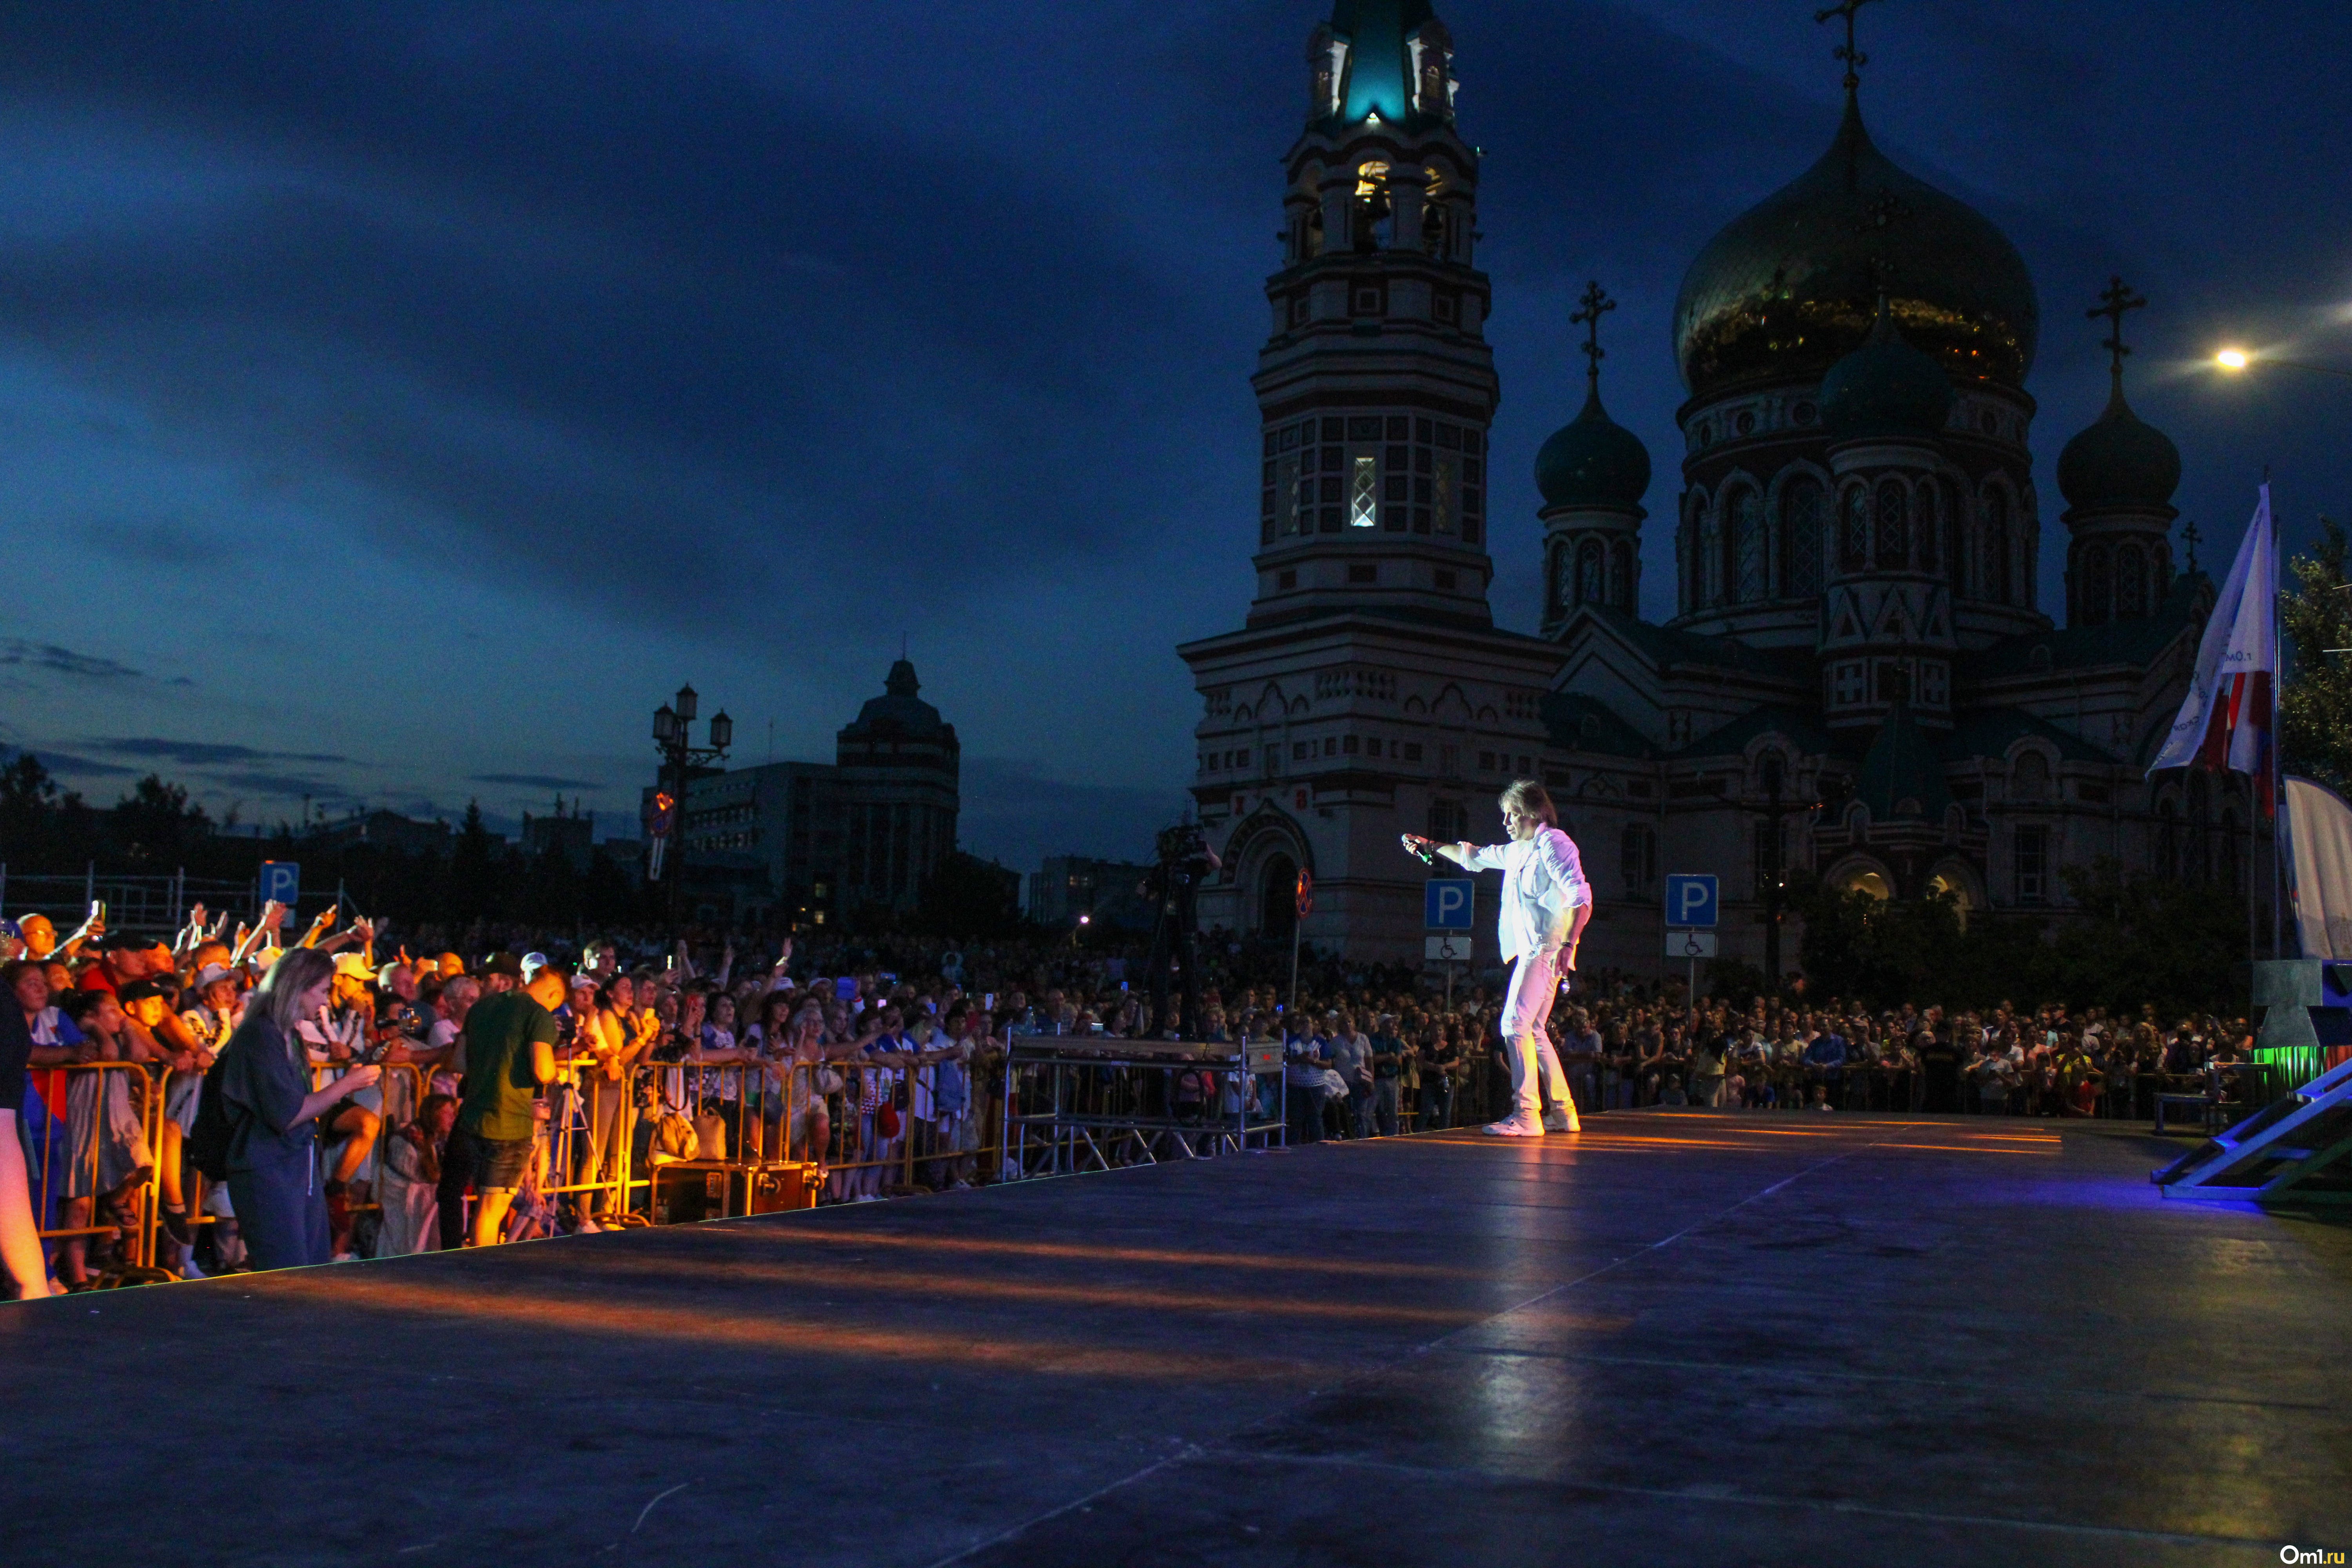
x=724, y=1139
x=888, y=1128
x=103, y=1150
x=397, y=1096
x=1075, y=1102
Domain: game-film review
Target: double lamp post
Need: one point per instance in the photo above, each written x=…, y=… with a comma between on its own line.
x=674, y=739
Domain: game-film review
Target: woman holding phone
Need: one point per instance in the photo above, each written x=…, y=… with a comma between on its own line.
x=264, y=1081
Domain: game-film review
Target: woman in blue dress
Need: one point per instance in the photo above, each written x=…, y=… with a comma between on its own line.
x=263, y=1077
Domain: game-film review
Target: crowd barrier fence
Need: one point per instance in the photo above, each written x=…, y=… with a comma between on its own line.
x=671, y=1142
x=96, y=1140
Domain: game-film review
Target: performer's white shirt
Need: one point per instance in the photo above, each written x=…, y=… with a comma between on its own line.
x=1543, y=883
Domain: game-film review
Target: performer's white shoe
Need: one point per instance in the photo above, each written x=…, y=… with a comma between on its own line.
x=1516, y=1126
x=1558, y=1120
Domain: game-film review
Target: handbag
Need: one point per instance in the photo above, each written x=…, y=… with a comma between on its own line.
x=709, y=1136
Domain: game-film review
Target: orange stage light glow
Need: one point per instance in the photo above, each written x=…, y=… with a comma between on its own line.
x=729, y=1325
x=1289, y=1264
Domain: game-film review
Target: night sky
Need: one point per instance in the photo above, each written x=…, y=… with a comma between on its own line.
x=397, y=403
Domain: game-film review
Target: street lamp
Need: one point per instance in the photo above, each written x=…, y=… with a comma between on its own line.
x=2238, y=361
x=674, y=739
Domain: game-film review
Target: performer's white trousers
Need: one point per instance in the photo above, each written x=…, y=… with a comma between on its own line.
x=1534, y=984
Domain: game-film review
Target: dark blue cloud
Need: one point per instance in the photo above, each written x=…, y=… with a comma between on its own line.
x=571, y=299
x=534, y=781
x=206, y=755
x=275, y=786
x=55, y=660
x=67, y=766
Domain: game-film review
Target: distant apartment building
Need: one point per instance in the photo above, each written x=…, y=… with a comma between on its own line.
x=1069, y=886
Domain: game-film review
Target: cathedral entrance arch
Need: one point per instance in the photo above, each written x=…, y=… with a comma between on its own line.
x=1861, y=875
x=1277, y=897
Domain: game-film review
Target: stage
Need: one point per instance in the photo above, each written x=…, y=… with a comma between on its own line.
x=1694, y=1338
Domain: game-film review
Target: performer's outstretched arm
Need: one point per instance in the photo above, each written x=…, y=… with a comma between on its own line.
x=1464, y=854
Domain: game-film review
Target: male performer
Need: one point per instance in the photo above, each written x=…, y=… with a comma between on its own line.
x=1546, y=901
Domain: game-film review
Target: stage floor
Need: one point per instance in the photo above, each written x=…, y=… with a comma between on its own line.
x=1677, y=1338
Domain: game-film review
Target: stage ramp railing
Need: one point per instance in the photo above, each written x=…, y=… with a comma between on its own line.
x=2293, y=1151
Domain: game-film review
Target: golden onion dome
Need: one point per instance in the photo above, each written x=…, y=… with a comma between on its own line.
x=1791, y=286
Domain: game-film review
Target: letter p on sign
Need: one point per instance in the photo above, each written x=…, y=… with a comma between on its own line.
x=1691, y=900
x=1447, y=903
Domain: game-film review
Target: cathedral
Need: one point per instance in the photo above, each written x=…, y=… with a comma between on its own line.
x=1858, y=682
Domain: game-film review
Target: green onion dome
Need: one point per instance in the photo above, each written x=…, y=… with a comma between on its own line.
x=1592, y=460
x=1884, y=388
x=1786, y=290
x=2120, y=461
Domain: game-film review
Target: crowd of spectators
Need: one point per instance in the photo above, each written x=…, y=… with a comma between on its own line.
x=876, y=1060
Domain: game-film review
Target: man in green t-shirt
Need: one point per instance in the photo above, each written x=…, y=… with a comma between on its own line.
x=509, y=1053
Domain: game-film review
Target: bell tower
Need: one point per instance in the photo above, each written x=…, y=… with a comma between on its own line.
x=1368, y=692
x=1376, y=387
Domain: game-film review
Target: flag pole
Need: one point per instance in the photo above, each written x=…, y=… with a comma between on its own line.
x=2279, y=842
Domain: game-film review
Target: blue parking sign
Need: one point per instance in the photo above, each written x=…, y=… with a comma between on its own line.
x=1447, y=903
x=1691, y=900
x=281, y=881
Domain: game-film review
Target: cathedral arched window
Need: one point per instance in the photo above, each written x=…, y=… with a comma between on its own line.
x=1372, y=207
x=2131, y=581
x=1744, y=513
x=1947, y=505
x=1996, y=547
x=1893, y=525
x=1706, y=567
x=1561, y=577
x=1800, y=540
x=1591, y=573
x=2094, y=585
x=2030, y=780
x=1638, y=858
x=1854, y=531
x=1691, y=565
x=1927, y=528
x=1621, y=578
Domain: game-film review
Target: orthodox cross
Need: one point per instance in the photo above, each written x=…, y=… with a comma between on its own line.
x=1854, y=58
x=2191, y=538
x=1595, y=304
x=2115, y=301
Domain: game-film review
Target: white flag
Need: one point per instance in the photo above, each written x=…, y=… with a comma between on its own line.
x=2320, y=824
x=2225, y=719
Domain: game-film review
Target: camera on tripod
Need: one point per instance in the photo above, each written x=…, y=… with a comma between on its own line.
x=1184, y=852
